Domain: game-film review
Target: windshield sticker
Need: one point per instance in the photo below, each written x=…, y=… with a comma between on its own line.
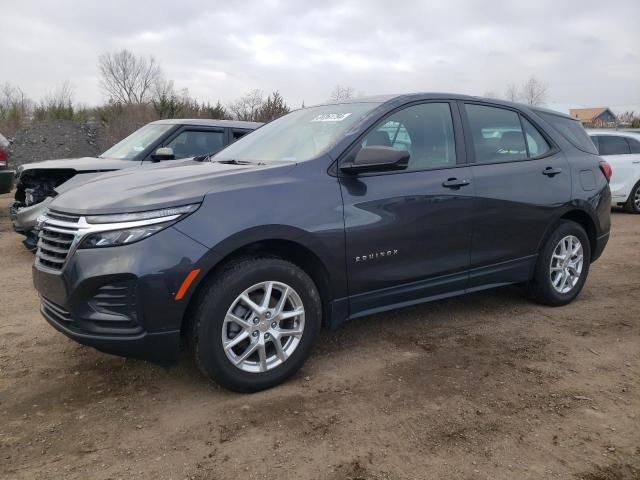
x=330, y=117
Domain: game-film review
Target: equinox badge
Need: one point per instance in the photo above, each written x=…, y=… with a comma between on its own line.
x=376, y=255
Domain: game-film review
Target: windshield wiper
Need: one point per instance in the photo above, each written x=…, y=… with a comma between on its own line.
x=239, y=162
x=208, y=157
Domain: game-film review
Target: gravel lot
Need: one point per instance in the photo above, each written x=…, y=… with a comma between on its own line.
x=487, y=386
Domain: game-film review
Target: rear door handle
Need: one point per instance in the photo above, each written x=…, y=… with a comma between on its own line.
x=551, y=171
x=455, y=183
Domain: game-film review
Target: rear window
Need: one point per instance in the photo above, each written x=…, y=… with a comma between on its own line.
x=612, y=145
x=572, y=130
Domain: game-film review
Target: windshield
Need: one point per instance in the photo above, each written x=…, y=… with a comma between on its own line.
x=137, y=142
x=298, y=136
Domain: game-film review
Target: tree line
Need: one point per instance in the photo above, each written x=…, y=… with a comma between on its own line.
x=136, y=91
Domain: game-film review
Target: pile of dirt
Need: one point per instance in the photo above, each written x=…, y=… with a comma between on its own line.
x=53, y=139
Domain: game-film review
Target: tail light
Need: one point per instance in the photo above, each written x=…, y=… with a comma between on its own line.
x=606, y=170
x=3, y=158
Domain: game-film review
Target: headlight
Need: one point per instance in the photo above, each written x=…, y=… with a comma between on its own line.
x=164, y=214
x=114, y=238
x=121, y=229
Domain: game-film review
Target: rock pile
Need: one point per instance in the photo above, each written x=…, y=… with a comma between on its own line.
x=53, y=139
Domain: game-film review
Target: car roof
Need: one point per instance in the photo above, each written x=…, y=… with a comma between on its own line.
x=620, y=133
x=206, y=122
x=409, y=97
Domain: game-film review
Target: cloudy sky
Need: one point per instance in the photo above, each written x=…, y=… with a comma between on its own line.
x=588, y=51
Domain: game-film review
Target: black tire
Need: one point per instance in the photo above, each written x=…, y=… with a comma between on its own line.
x=215, y=299
x=541, y=288
x=630, y=206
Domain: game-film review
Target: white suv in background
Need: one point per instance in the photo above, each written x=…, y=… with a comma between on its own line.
x=622, y=151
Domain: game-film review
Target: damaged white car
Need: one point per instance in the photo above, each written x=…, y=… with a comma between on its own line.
x=38, y=183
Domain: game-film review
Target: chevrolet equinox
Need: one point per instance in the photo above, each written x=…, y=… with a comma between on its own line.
x=327, y=214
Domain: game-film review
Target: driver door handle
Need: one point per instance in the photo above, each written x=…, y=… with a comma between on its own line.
x=551, y=171
x=455, y=183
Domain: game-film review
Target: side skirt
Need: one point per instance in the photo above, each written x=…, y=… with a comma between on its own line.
x=474, y=280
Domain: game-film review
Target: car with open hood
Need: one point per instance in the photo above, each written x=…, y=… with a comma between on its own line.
x=39, y=182
x=327, y=214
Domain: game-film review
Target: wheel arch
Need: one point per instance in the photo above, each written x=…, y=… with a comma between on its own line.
x=583, y=219
x=294, y=250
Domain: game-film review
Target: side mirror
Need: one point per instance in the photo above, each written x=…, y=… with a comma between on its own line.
x=163, y=153
x=377, y=158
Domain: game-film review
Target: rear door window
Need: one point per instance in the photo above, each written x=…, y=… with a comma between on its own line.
x=236, y=134
x=536, y=143
x=613, y=145
x=190, y=143
x=496, y=133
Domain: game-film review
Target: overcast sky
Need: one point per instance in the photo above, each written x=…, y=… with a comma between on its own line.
x=588, y=51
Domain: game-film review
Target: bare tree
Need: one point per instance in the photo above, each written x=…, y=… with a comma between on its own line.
x=63, y=95
x=127, y=78
x=248, y=106
x=57, y=104
x=534, y=92
x=341, y=93
x=512, y=93
x=15, y=108
x=626, y=117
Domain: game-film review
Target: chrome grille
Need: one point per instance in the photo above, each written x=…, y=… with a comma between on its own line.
x=55, y=239
x=63, y=217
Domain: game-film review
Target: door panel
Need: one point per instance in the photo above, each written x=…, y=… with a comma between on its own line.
x=408, y=235
x=516, y=192
x=514, y=204
x=403, y=229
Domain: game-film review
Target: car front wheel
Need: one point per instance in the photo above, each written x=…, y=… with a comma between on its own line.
x=562, y=266
x=255, y=323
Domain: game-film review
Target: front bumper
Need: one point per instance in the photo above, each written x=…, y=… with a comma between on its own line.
x=120, y=300
x=25, y=219
x=160, y=347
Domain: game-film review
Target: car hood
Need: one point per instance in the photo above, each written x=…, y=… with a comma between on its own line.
x=84, y=164
x=162, y=186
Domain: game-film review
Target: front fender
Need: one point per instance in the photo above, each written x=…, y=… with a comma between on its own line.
x=331, y=259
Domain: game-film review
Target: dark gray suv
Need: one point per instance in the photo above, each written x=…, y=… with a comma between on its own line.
x=327, y=214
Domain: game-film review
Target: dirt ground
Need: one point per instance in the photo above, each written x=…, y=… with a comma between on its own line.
x=487, y=386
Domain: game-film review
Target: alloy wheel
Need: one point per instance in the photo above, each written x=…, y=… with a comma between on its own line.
x=263, y=327
x=567, y=260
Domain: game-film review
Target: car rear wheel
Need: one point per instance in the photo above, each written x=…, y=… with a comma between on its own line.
x=562, y=266
x=633, y=202
x=255, y=323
